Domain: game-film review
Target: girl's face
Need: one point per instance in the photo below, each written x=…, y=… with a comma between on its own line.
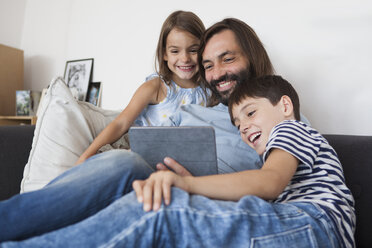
x=181, y=55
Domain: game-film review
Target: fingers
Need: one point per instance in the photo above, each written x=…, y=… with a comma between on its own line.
x=176, y=167
x=137, y=186
x=150, y=192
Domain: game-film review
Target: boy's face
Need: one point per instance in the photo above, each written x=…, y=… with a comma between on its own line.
x=256, y=117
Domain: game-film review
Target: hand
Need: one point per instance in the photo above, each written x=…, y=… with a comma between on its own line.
x=151, y=191
x=172, y=164
x=80, y=160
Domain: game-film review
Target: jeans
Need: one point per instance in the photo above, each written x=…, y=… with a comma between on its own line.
x=73, y=196
x=196, y=221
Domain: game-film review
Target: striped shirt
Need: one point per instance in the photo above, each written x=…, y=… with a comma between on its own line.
x=319, y=177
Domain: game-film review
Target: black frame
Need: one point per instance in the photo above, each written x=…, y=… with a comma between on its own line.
x=78, y=74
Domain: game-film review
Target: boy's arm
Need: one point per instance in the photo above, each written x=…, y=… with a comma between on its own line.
x=267, y=183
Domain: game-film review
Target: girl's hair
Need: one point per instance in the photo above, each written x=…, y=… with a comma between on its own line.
x=182, y=20
x=270, y=87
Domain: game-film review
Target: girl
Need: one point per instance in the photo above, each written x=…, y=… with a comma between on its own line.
x=176, y=82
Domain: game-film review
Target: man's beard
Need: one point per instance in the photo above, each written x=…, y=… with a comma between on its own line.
x=223, y=97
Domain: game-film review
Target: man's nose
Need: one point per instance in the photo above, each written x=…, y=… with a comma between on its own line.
x=218, y=72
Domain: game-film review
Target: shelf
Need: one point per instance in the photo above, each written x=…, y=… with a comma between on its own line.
x=17, y=120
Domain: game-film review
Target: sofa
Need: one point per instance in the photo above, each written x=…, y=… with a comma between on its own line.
x=353, y=151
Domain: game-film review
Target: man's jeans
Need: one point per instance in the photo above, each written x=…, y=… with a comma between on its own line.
x=196, y=221
x=73, y=196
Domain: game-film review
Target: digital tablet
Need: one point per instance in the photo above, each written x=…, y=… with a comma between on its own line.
x=192, y=147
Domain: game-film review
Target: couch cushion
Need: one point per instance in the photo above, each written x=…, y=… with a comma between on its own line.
x=64, y=129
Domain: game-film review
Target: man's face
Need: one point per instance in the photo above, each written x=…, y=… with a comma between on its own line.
x=224, y=63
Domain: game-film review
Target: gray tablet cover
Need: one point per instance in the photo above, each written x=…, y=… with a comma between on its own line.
x=192, y=147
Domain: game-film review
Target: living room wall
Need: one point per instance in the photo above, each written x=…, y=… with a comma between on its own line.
x=322, y=47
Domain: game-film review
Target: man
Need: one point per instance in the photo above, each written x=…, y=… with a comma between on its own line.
x=230, y=50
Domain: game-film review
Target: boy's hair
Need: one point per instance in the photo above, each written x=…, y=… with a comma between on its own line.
x=271, y=87
x=183, y=20
x=250, y=44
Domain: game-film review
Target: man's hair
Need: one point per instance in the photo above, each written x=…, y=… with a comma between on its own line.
x=250, y=44
x=182, y=20
x=271, y=87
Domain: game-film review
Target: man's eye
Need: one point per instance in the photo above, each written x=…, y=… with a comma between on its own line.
x=228, y=59
x=206, y=67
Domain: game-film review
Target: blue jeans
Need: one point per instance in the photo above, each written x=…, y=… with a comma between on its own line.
x=196, y=221
x=73, y=196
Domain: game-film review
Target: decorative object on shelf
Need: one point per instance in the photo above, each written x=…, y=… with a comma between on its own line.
x=94, y=93
x=27, y=102
x=77, y=76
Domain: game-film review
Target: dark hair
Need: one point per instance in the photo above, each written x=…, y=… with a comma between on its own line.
x=182, y=20
x=271, y=87
x=250, y=44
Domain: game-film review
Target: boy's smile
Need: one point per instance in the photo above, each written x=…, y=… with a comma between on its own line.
x=255, y=118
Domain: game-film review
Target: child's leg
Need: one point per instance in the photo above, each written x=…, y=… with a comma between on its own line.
x=195, y=221
x=73, y=196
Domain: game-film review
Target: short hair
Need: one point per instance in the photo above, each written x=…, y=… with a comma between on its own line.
x=271, y=87
x=182, y=20
x=250, y=44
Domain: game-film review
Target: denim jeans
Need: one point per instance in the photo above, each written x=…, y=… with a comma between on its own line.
x=196, y=221
x=73, y=196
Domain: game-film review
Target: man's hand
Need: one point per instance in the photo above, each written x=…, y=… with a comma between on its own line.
x=151, y=191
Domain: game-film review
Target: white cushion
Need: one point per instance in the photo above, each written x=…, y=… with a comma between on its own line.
x=64, y=129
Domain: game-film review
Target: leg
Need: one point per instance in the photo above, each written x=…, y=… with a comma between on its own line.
x=196, y=221
x=78, y=193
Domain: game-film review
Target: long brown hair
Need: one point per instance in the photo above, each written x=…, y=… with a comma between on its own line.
x=183, y=20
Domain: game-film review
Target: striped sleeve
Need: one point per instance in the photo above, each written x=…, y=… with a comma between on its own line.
x=294, y=138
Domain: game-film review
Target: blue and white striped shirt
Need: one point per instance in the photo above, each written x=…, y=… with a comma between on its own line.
x=319, y=177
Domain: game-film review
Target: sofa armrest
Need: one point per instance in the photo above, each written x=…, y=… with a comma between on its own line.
x=355, y=154
x=15, y=146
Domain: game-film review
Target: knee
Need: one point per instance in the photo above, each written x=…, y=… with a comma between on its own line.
x=124, y=160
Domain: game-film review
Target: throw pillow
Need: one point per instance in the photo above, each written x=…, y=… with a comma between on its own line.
x=64, y=129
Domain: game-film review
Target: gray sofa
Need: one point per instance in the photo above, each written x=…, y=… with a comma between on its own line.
x=355, y=153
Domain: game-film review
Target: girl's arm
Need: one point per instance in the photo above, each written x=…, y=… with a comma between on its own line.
x=147, y=93
x=266, y=183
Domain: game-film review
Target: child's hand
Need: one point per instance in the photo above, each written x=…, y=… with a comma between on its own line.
x=172, y=164
x=151, y=191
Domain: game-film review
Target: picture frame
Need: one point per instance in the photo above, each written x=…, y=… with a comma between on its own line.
x=94, y=93
x=78, y=74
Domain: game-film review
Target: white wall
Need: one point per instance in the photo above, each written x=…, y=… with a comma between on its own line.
x=322, y=47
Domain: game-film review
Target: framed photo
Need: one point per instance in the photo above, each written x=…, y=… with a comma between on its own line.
x=27, y=102
x=77, y=77
x=94, y=93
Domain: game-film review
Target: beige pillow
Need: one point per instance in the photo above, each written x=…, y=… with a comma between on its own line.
x=64, y=129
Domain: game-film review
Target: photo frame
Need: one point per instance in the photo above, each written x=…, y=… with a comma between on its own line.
x=94, y=93
x=77, y=76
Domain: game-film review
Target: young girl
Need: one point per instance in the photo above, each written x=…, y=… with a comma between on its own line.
x=176, y=83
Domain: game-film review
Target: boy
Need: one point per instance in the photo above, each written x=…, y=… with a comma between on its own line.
x=267, y=112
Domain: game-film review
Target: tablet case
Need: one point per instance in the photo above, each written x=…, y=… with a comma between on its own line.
x=192, y=147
